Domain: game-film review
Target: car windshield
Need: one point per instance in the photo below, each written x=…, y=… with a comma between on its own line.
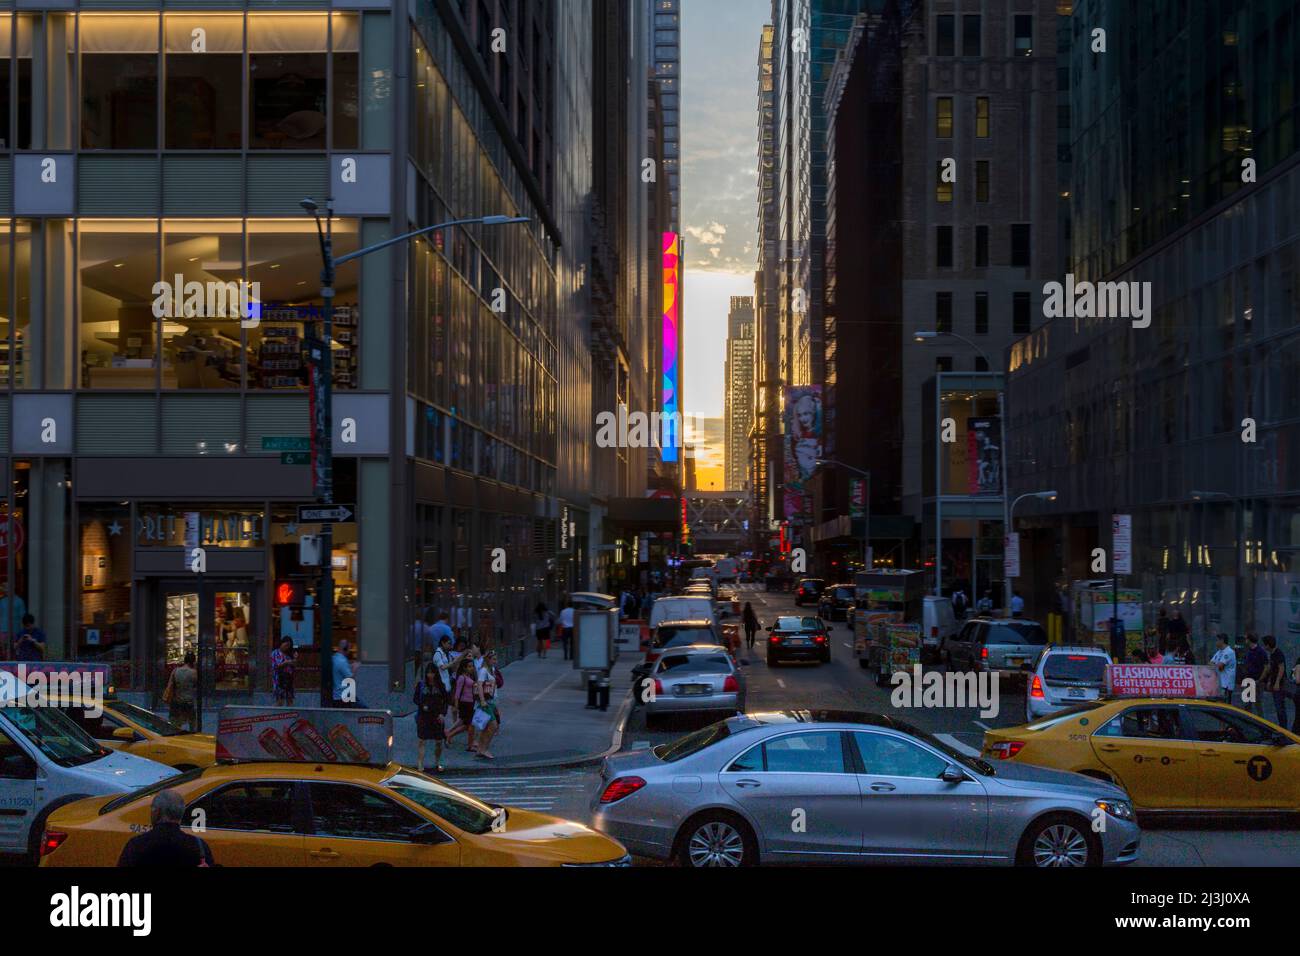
x=56, y=735
x=1023, y=634
x=683, y=747
x=695, y=664
x=459, y=809
x=1088, y=667
x=131, y=797
x=146, y=719
x=679, y=636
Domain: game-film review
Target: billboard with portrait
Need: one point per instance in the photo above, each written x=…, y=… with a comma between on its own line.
x=802, y=448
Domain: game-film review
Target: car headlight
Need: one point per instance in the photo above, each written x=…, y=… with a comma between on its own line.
x=1119, y=809
x=624, y=860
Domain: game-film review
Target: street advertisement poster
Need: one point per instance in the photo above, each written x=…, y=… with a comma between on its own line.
x=983, y=456
x=802, y=447
x=1011, y=555
x=1162, y=680
x=304, y=735
x=1121, y=543
x=629, y=634
x=904, y=643
x=865, y=622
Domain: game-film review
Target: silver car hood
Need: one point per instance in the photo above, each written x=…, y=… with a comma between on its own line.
x=1024, y=776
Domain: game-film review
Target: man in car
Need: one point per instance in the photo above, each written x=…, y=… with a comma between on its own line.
x=165, y=844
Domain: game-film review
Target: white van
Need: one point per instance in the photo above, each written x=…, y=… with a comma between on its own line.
x=46, y=760
x=682, y=607
x=937, y=622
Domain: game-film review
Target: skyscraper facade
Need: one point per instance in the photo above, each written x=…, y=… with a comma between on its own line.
x=738, y=378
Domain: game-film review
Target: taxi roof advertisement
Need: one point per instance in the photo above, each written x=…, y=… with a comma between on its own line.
x=1162, y=680
x=305, y=735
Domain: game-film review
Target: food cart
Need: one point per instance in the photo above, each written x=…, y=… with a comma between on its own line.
x=887, y=606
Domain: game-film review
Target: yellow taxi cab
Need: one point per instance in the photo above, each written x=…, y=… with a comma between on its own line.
x=308, y=787
x=1173, y=754
x=133, y=729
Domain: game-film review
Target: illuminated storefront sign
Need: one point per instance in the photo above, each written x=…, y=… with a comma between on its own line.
x=671, y=336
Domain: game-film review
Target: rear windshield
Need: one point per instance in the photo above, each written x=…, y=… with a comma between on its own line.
x=796, y=623
x=844, y=593
x=680, y=636
x=683, y=747
x=811, y=583
x=1089, y=667
x=696, y=664
x=1025, y=634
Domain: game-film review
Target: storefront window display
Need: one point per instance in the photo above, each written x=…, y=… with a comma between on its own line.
x=104, y=584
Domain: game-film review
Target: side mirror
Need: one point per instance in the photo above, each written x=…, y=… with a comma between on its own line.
x=124, y=733
x=953, y=774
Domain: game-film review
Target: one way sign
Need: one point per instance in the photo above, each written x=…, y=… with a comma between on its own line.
x=326, y=514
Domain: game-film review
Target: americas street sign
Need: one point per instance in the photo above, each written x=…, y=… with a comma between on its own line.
x=285, y=443
x=327, y=514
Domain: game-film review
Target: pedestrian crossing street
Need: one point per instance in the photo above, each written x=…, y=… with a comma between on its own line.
x=560, y=792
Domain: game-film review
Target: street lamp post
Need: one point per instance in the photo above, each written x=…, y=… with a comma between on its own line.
x=867, y=562
x=322, y=362
x=1011, y=511
x=928, y=336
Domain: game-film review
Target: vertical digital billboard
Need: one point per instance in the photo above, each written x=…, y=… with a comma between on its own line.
x=803, y=448
x=671, y=438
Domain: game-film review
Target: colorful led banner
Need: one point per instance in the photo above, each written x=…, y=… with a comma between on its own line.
x=671, y=336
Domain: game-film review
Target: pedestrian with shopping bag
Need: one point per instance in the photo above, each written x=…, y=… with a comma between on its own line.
x=463, y=695
x=487, y=715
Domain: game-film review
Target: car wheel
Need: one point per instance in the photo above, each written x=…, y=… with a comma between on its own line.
x=717, y=840
x=1058, y=840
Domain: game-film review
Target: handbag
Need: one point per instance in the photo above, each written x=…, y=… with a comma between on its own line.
x=496, y=675
x=481, y=718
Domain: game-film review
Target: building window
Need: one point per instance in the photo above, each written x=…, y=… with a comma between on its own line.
x=982, y=180
x=203, y=89
x=945, y=39
x=943, y=118
x=1024, y=35
x=981, y=364
x=1020, y=320
x=943, y=246
x=970, y=35
x=119, y=81
x=943, y=190
x=981, y=247
x=1020, y=233
x=118, y=266
x=287, y=70
x=943, y=363
x=943, y=311
x=981, y=313
x=982, y=117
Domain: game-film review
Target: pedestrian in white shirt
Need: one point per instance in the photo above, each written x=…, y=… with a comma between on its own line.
x=1225, y=659
x=566, y=631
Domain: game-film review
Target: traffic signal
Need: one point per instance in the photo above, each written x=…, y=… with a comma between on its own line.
x=290, y=593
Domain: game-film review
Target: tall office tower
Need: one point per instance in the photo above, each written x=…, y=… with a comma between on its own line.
x=739, y=394
x=667, y=60
x=767, y=327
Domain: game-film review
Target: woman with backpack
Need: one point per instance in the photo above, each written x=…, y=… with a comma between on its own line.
x=430, y=705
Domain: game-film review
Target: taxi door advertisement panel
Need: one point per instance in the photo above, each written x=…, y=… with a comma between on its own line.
x=306, y=735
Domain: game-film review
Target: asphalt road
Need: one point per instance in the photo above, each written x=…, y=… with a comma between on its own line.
x=844, y=685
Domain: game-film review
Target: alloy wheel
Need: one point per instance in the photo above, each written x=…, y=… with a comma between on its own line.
x=1060, y=845
x=716, y=843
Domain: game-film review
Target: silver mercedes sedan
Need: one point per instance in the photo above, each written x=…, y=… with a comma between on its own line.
x=843, y=787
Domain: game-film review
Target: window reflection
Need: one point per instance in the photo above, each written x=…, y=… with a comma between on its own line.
x=287, y=81
x=205, y=60
x=202, y=341
x=119, y=81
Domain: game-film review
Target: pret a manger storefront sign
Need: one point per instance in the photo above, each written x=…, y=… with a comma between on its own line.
x=1162, y=680
x=194, y=529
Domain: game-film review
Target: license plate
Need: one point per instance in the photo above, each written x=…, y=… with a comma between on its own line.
x=696, y=690
x=798, y=642
x=1077, y=692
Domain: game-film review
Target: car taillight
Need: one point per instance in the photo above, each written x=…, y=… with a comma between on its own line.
x=621, y=787
x=1006, y=749
x=1036, y=688
x=774, y=639
x=820, y=638
x=984, y=653
x=659, y=687
x=51, y=840
x=730, y=685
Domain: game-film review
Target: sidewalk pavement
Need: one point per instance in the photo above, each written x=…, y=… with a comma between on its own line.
x=544, y=720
